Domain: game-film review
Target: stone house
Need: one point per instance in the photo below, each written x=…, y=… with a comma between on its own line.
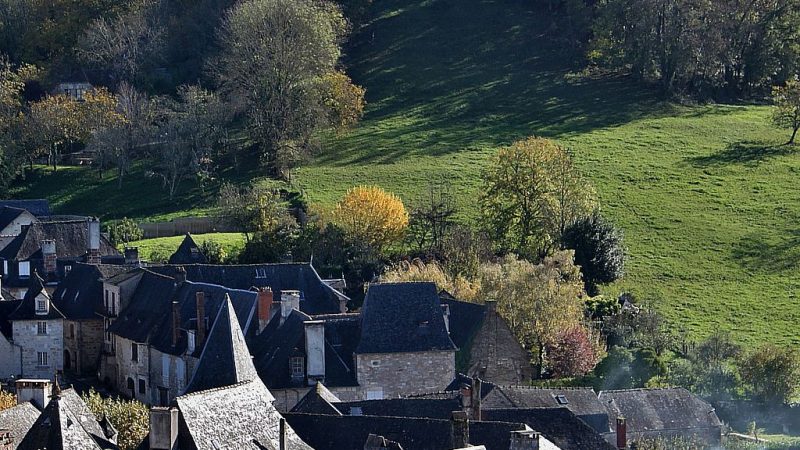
x=51, y=249
x=10, y=353
x=38, y=330
x=11, y=222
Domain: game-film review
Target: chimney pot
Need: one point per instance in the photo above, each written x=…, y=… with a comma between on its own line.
x=200, y=303
x=265, y=300
x=94, y=241
x=49, y=256
x=289, y=300
x=622, y=433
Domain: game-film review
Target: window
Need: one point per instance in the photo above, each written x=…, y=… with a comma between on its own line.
x=24, y=269
x=141, y=386
x=375, y=363
x=261, y=272
x=67, y=269
x=72, y=331
x=5, y=267
x=130, y=385
x=41, y=359
x=41, y=306
x=562, y=399
x=296, y=363
x=134, y=352
x=162, y=396
x=105, y=301
x=41, y=328
x=113, y=304
x=376, y=394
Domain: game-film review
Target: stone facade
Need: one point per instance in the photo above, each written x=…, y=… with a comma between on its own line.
x=496, y=354
x=169, y=375
x=83, y=343
x=132, y=369
x=27, y=337
x=387, y=375
x=10, y=359
x=286, y=399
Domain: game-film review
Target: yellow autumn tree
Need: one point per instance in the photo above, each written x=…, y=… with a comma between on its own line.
x=371, y=216
x=417, y=270
x=7, y=400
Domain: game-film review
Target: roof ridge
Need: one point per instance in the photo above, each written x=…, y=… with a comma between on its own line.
x=542, y=388
x=218, y=388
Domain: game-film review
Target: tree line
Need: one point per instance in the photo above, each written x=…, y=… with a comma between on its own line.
x=267, y=82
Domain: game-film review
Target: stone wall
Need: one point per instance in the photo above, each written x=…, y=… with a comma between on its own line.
x=388, y=375
x=10, y=363
x=496, y=354
x=84, y=342
x=286, y=399
x=171, y=373
x=136, y=370
x=26, y=336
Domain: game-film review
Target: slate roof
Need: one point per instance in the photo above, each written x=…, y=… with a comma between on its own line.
x=318, y=400
x=659, y=409
x=318, y=297
x=8, y=214
x=583, y=402
x=403, y=317
x=71, y=237
x=27, y=307
x=465, y=320
x=148, y=317
x=558, y=425
x=6, y=308
x=327, y=432
x=59, y=427
x=37, y=207
x=80, y=294
x=225, y=359
x=240, y=416
x=461, y=380
x=188, y=253
x=19, y=419
x=72, y=401
x=403, y=407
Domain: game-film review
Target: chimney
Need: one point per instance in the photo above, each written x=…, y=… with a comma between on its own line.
x=289, y=300
x=132, y=256
x=94, y=241
x=446, y=314
x=476, y=399
x=264, y=307
x=622, y=433
x=315, y=350
x=180, y=274
x=282, y=445
x=466, y=398
x=49, y=256
x=35, y=391
x=200, y=302
x=524, y=440
x=176, y=323
x=460, y=429
x=163, y=428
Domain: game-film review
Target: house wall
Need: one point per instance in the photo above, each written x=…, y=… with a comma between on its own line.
x=26, y=336
x=497, y=355
x=171, y=373
x=15, y=227
x=385, y=375
x=10, y=359
x=84, y=341
x=126, y=368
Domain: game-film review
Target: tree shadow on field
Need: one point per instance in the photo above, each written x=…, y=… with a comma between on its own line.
x=754, y=253
x=749, y=153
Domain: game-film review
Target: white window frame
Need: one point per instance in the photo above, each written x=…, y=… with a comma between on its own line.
x=41, y=306
x=297, y=366
x=41, y=328
x=42, y=359
x=24, y=269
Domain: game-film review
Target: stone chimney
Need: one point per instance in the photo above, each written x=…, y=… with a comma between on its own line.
x=315, y=350
x=163, y=428
x=466, y=398
x=460, y=429
x=176, y=323
x=180, y=275
x=264, y=307
x=36, y=391
x=132, y=256
x=524, y=440
x=446, y=314
x=49, y=257
x=282, y=441
x=200, y=303
x=94, y=241
x=622, y=433
x=289, y=300
x=476, y=399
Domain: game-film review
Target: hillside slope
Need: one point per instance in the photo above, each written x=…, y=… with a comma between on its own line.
x=706, y=195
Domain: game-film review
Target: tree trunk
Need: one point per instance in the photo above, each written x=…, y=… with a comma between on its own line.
x=794, y=134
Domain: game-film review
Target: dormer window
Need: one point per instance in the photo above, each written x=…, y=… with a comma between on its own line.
x=297, y=366
x=24, y=269
x=261, y=272
x=562, y=399
x=41, y=306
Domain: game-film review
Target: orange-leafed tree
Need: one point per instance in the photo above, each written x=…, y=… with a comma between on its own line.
x=371, y=216
x=7, y=400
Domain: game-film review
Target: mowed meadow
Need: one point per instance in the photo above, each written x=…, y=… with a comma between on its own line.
x=706, y=195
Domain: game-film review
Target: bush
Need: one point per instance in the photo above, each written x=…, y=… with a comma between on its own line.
x=213, y=251
x=130, y=417
x=598, y=250
x=771, y=373
x=124, y=231
x=572, y=353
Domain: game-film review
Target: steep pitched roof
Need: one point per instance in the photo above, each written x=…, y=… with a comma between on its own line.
x=37, y=207
x=71, y=238
x=659, y=409
x=240, y=416
x=8, y=214
x=318, y=297
x=188, y=253
x=558, y=425
x=80, y=294
x=225, y=359
x=6, y=308
x=58, y=428
x=19, y=419
x=27, y=308
x=318, y=400
x=465, y=320
x=99, y=431
x=403, y=317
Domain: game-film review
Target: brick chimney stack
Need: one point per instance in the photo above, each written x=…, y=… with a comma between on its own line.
x=200, y=303
x=176, y=323
x=49, y=257
x=264, y=307
x=622, y=433
x=94, y=241
x=460, y=429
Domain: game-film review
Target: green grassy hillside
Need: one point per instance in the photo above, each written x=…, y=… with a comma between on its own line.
x=706, y=195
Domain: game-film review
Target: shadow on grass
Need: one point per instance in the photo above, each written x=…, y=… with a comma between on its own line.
x=756, y=254
x=745, y=152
